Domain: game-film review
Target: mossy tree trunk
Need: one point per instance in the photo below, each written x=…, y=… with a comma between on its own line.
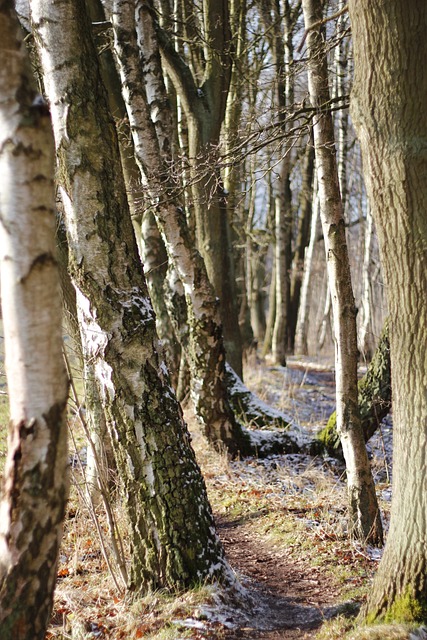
x=389, y=110
x=170, y=525
x=35, y=484
x=365, y=521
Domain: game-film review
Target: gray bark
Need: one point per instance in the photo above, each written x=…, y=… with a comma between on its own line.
x=392, y=129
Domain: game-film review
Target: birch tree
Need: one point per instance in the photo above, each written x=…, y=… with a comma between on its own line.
x=35, y=480
x=202, y=84
x=365, y=521
x=170, y=524
x=145, y=95
x=392, y=128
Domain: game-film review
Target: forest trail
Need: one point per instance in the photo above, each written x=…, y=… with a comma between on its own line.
x=293, y=590
x=292, y=598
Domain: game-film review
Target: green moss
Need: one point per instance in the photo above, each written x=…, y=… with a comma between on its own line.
x=374, y=397
x=407, y=608
x=329, y=438
x=404, y=608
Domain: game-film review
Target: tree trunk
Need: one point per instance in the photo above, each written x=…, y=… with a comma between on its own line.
x=340, y=89
x=365, y=521
x=366, y=337
x=152, y=139
x=302, y=240
x=301, y=333
x=280, y=22
x=171, y=531
x=35, y=484
x=203, y=97
x=392, y=129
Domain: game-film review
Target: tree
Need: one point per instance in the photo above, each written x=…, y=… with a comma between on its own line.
x=202, y=84
x=365, y=521
x=392, y=128
x=138, y=59
x=170, y=524
x=374, y=396
x=35, y=482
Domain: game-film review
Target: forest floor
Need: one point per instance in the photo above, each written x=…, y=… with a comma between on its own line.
x=282, y=521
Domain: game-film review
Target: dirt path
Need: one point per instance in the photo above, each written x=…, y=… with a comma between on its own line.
x=291, y=599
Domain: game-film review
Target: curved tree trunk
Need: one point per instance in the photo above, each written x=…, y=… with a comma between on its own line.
x=365, y=521
x=170, y=526
x=392, y=129
x=202, y=88
x=35, y=480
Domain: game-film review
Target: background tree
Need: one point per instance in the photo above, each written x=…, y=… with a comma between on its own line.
x=202, y=84
x=392, y=128
x=144, y=90
x=365, y=521
x=35, y=482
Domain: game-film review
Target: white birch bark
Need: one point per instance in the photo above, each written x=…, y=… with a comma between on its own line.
x=150, y=125
x=35, y=480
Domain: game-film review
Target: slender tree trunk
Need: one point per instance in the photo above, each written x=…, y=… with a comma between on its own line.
x=392, y=129
x=340, y=89
x=173, y=539
x=365, y=521
x=282, y=51
x=366, y=337
x=35, y=483
x=155, y=261
x=326, y=321
x=302, y=240
x=301, y=333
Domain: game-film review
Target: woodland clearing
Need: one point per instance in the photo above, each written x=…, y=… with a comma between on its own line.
x=282, y=520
